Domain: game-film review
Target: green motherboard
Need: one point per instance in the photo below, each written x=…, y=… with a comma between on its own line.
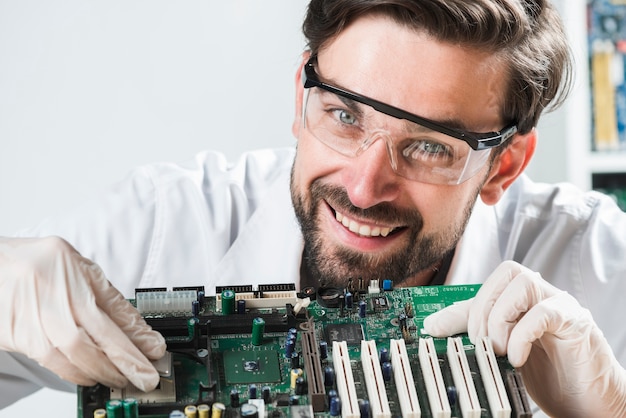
x=270, y=351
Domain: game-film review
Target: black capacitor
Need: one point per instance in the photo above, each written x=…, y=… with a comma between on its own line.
x=331, y=394
x=323, y=350
x=349, y=300
x=252, y=391
x=387, y=371
x=234, y=398
x=195, y=308
x=364, y=408
x=335, y=406
x=362, y=308
x=384, y=355
x=295, y=360
x=294, y=400
x=452, y=395
x=241, y=306
x=266, y=394
x=329, y=376
x=300, y=386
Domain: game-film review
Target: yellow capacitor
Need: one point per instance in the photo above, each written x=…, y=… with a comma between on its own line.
x=203, y=411
x=99, y=413
x=218, y=410
x=295, y=373
x=191, y=411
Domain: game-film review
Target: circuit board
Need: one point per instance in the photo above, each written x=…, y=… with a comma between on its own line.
x=269, y=351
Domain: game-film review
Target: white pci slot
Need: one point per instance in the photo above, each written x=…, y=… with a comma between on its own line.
x=403, y=376
x=492, y=380
x=435, y=388
x=345, y=380
x=373, y=374
x=462, y=376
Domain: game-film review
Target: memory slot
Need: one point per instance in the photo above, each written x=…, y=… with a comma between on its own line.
x=492, y=379
x=403, y=376
x=435, y=387
x=345, y=380
x=462, y=377
x=379, y=403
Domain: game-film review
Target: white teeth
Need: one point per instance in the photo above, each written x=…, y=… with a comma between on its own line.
x=363, y=230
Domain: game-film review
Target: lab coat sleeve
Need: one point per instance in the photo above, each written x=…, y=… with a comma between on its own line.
x=164, y=225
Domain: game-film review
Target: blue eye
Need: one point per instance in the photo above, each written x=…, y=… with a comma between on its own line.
x=345, y=117
x=425, y=149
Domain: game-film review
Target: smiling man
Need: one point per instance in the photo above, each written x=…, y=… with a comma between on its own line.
x=415, y=120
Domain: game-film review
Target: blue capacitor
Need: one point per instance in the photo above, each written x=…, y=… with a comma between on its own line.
x=452, y=394
x=387, y=285
x=241, y=306
x=201, y=297
x=252, y=391
x=331, y=394
x=323, y=350
x=362, y=308
x=387, y=371
x=290, y=344
x=335, y=406
x=329, y=376
x=364, y=408
x=349, y=300
x=383, y=355
x=292, y=331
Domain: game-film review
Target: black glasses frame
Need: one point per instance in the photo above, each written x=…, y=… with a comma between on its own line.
x=478, y=141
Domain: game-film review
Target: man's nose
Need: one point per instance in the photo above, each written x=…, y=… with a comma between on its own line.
x=370, y=178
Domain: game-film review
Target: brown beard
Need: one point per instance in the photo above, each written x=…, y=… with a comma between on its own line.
x=337, y=266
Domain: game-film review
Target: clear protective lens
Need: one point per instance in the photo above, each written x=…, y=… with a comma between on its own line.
x=415, y=151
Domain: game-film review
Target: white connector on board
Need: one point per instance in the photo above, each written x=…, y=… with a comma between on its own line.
x=345, y=380
x=403, y=376
x=492, y=380
x=379, y=403
x=435, y=388
x=462, y=377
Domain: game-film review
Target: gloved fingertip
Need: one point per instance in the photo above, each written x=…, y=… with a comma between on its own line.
x=518, y=354
x=431, y=326
x=153, y=345
x=147, y=381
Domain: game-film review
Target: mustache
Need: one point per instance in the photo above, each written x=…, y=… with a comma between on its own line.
x=385, y=212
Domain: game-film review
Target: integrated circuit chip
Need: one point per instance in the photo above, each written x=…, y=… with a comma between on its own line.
x=251, y=367
x=352, y=334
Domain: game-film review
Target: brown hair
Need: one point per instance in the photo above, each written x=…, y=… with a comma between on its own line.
x=526, y=35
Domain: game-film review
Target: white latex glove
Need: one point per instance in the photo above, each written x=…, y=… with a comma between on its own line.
x=57, y=308
x=567, y=365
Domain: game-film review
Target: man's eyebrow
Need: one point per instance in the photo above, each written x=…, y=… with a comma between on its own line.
x=355, y=107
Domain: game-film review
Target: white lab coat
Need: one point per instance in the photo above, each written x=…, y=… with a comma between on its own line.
x=211, y=223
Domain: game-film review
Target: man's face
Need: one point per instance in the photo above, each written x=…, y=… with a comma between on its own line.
x=359, y=218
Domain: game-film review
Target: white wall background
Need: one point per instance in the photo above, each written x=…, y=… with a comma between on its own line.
x=91, y=89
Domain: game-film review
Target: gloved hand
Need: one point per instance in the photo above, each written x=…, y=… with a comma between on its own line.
x=57, y=308
x=567, y=365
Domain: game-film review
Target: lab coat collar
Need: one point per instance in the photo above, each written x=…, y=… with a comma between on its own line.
x=269, y=248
